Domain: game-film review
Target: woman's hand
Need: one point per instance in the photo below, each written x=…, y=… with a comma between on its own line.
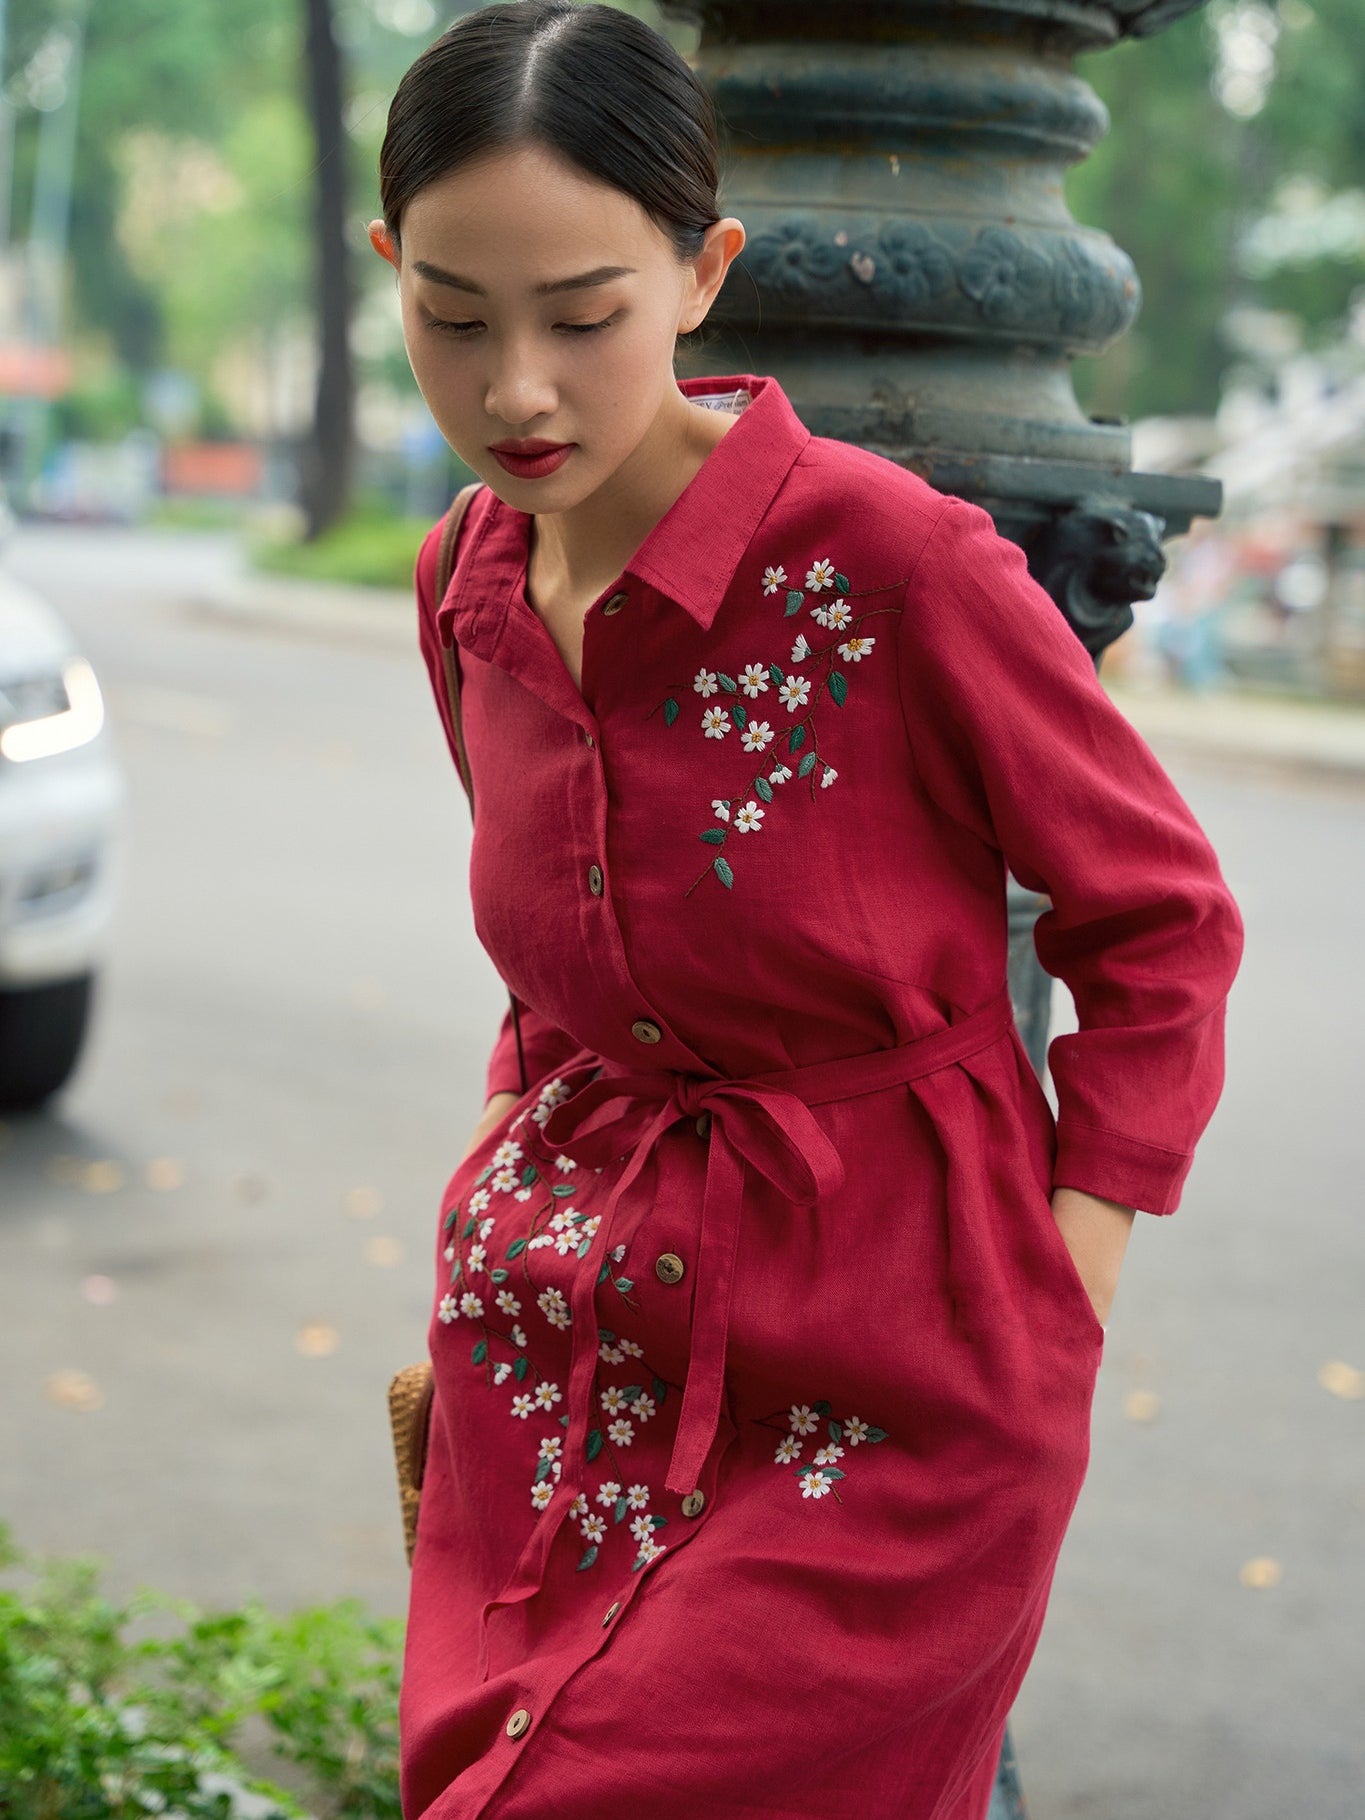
x=493, y=1113
x=1095, y=1232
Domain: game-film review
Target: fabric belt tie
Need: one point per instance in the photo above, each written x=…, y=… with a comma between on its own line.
x=761, y=1123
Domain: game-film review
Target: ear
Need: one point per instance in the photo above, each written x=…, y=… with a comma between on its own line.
x=382, y=242
x=724, y=241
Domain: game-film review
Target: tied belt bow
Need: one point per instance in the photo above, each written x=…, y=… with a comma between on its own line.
x=761, y=1123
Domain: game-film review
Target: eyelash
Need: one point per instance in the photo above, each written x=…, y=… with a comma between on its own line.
x=459, y=330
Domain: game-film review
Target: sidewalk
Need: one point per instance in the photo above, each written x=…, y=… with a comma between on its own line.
x=1322, y=735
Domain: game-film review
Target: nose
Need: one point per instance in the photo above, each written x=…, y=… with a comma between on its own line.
x=519, y=392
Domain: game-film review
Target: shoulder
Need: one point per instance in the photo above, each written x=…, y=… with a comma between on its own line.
x=428, y=555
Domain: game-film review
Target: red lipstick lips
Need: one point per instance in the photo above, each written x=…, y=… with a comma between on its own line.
x=533, y=459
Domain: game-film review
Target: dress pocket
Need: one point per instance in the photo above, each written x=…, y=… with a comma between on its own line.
x=1070, y=1284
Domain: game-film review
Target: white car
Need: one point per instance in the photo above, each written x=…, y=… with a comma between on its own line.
x=61, y=821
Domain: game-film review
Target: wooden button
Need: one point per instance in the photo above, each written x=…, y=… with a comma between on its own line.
x=669, y=1268
x=692, y=1503
x=615, y=604
x=595, y=880
x=645, y=1032
x=703, y=1124
x=517, y=1724
x=611, y=1613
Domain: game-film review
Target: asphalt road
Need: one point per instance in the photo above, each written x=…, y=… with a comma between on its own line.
x=223, y=1227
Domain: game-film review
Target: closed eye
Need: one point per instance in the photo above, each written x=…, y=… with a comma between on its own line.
x=461, y=329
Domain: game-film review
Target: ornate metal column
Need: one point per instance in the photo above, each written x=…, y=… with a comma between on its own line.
x=914, y=279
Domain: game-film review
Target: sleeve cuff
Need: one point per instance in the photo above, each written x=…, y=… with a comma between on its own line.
x=1119, y=1168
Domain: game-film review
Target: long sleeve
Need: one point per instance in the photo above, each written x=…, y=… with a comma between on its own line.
x=545, y=1046
x=1014, y=737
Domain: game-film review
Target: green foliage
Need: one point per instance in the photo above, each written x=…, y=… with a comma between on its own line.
x=97, y=1726
x=369, y=548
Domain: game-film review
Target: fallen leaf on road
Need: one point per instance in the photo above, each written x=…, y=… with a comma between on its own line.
x=1141, y=1405
x=1341, y=1379
x=384, y=1251
x=1260, y=1572
x=316, y=1339
x=99, y=1290
x=363, y=1203
x=73, y=1390
x=165, y=1172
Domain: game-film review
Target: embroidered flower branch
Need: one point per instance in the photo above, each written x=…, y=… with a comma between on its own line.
x=820, y=1475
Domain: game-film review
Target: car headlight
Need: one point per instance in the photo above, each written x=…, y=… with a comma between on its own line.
x=51, y=713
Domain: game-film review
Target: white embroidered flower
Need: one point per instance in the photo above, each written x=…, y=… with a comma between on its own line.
x=553, y=1092
x=753, y=679
x=856, y=649
x=547, y=1395
x=705, y=682
x=471, y=1305
x=749, y=819
x=828, y=1454
x=788, y=1449
x=552, y=1305
x=507, y=1302
x=779, y=774
x=641, y=1528
x=486, y=1227
x=579, y=1507
x=506, y=1154
x=556, y=1468
x=619, y=1252
x=477, y=1254
x=540, y=1241
x=608, y=1492
x=716, y=723
x=651, y=1549
x=479, y=1200
x=560, y=1219
x=449, y=1310
x=566, y=1242
x=612, y=1354
x=542, y=1493
x=565, y=1165
x=855, y=1431
x=795, y=692
x=829, y=777
x=636, y=1352
x=612, y=1399
x=501, y=1373
x=800, y=650
x=757, y=735
x=519, y=1336
x=722, y=808
x=643, y=1408
x=621, y=1431
x=506, y=1180
x=522, y=1406
x=773, y=579
x=550, y=1446
x=814, y=1484
x=803, y=1419
x=820, y=613
x=449, y=1254
x=522, y=1194
x=638, y=1497
x=593, y=1528
x=820, y=574
x=839, y=614
x=588, y=1228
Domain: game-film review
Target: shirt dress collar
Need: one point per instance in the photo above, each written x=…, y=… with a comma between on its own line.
x=691, y=554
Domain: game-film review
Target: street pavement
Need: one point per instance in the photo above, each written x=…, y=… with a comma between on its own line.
x=218, y=1245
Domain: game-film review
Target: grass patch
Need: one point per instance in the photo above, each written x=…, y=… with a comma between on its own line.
x=368, y=549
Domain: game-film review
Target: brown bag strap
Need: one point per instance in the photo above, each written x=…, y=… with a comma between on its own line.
x=445, y=568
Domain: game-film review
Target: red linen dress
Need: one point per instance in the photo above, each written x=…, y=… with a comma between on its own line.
x=763, y=1375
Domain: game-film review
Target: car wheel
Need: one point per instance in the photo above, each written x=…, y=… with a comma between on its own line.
x=42, y=1029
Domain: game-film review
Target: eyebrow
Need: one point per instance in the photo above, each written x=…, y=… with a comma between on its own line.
x=602, y=274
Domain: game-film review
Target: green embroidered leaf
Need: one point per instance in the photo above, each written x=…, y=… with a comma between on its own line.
x=658, y=1522
x=841, y=583
x=821, y=1409
x=670, y=711
x=563, y=1421
x=499, y=1275
x=480, y=1352
x=797, y=740
x=483, y=1174
x=515, y=1249
x=660, y=1390
x=728, y=683
x=776, y=672
x=595, y=1443
x=806, y=766
x=625, y=1284
x=763, y=788
x=632, y=1391
x=723, y=872
x=622, y=1504
x=577, y=1219
x=589, y=1556
x=794, y=599
x=584, y=1248
x=714, y=837
x=739, y=714
x=836, y=1431
x=838, y=688
x=560, y=1189
x=529, y=1174
x=542, y=1471
x=451, y=1218
x=875, y=1434
x=470, y=1224
x=602, y=1275
x=830, y=1472
x=605, y=1333
x=637, y=1564
x=520, y=1369
x=455, y=1270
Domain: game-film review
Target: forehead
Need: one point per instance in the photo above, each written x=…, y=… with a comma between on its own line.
x=512, y=218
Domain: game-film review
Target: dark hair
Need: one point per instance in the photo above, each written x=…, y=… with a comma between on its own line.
x=587, y=81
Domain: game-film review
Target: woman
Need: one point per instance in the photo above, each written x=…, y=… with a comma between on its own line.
x=770, y=1297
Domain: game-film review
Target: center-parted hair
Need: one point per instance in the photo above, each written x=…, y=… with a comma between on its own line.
x=593, y=84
